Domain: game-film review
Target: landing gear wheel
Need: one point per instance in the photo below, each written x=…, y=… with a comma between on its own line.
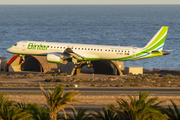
x=89, y=65
x=77, y=66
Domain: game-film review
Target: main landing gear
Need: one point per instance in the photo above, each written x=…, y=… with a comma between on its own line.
x=23, y=58
x=89, y=65
x=77, y=65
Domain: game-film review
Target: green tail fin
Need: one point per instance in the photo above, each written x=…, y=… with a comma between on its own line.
x=157, y=42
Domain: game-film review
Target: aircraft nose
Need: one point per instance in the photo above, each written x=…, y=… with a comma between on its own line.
x=9, y=49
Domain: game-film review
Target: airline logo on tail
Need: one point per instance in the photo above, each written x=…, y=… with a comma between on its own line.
x=155, y=46
x=157, y=42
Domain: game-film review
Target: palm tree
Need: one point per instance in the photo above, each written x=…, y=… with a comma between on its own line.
x=38, y=113
x=81, y=115
x=172, y=114
x=57, y=101
x=139, y=109
x=9, y=111
x=107, y=114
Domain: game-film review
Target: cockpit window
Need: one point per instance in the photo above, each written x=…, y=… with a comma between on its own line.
x=15, y=44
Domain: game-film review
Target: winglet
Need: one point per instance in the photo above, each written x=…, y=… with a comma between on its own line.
x=157, y=42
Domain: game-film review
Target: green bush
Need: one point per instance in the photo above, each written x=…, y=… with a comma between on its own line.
x=72, y=85
x=164, y=85
x=118, y=85
x=29, y=75
x=137, y=80
x=48, y=80
x=1, y=78
x=60, y=80
x=63, y=74
x=93, y=85
x=107, y=85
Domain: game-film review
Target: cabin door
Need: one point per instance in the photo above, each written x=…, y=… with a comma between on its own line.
x=24, y=45
x=134, y=52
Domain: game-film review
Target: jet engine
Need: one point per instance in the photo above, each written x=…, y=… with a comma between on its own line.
x=57, y=57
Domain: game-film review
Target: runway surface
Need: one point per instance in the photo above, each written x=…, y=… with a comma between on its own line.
x=101, y=91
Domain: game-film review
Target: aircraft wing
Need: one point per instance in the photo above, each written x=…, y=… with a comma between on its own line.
x=79, y=55
x=73, y=54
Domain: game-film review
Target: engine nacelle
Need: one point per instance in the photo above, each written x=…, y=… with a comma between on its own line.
x=57, y=57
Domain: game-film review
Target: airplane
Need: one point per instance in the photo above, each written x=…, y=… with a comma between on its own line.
x=76, y=53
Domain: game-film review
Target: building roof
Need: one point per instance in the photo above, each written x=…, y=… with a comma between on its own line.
x=3, y=58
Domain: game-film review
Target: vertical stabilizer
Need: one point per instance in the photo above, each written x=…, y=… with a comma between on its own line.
x=157, y=42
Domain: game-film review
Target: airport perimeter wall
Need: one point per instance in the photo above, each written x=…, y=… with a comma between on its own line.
x=90, y=99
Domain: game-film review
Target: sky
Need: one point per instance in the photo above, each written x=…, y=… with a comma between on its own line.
x=85, y=2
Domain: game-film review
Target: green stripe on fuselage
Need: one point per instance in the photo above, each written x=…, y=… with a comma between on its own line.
x=55, y=62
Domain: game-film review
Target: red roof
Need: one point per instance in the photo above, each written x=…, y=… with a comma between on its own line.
x=3, y=58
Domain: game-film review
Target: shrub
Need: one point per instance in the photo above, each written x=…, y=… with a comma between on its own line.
x=175, y=84
x=29, y=75
x=60, y=80
x=93, y=85
x=48, y=75
x=63, y=74
x=133, y=85
x=138, y=77
x=155, y=75
x=1, y=78
x=168, y=76
x=118, y=85
x=154, y=85
x=72, y=85
x=48, y=80
x=129, y=74
x=137, y=80
x=164, y=85
x=107, y=85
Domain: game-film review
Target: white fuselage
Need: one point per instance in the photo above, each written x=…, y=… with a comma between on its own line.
x=58, y=52
x=86, y=50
